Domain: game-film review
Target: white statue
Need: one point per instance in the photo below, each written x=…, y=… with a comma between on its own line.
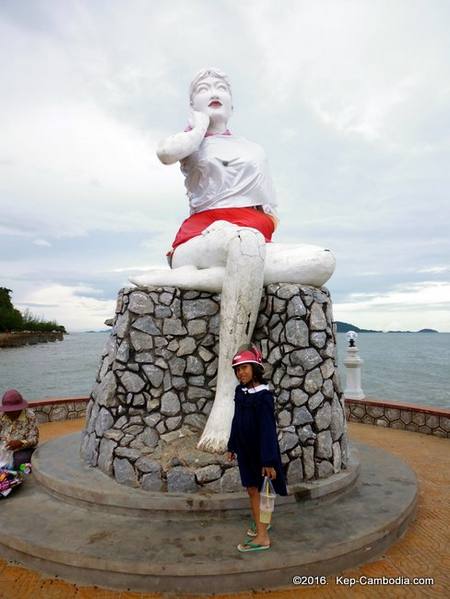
x=224, y=246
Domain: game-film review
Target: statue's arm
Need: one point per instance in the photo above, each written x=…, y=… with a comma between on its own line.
x=179, y=146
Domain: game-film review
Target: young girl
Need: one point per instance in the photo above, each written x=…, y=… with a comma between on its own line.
x=253, y=439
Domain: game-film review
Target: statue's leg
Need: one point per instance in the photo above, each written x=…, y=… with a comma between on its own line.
x=241, y=297
x=183, y=277
x=200, y=263
x=227, y=259
x=298, y=263
x=196, y=264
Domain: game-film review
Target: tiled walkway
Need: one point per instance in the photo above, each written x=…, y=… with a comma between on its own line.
x=423, y=552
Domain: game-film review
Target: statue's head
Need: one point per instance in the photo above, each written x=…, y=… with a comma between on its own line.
x=210, y=92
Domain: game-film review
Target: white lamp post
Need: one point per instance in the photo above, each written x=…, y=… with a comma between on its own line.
x=353, y=365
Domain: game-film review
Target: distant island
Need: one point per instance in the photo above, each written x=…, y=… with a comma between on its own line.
x=344, y=327
x=17, y=328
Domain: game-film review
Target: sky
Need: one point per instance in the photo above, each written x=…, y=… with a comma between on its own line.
x=349, y=98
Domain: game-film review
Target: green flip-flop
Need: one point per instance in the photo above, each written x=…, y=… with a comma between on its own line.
x=249, y=546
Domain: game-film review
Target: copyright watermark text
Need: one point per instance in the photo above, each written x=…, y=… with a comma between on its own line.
x=383, y=580
x=363, y=580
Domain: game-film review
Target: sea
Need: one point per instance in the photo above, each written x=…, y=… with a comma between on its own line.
x=404, y=367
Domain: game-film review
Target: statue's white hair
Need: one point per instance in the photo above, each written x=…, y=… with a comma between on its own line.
x=208, y=72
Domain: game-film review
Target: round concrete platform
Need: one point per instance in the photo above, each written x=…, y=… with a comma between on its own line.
x=119, y=550
x=58, y=468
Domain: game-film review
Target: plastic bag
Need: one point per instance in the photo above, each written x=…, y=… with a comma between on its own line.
x=266, y=501
x=8, y=480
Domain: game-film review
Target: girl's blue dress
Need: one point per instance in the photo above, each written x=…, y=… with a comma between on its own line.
x=253, y=437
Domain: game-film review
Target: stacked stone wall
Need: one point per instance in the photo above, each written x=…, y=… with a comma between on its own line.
x=157, y=377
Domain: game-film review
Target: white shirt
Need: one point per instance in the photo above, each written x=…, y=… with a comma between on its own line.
x=228, y=172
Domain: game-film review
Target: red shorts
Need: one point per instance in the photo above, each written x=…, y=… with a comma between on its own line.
x=244, y=217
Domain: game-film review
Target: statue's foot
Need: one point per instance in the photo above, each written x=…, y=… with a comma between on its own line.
x=216, y=433
x=213, y=441
x=183, y=277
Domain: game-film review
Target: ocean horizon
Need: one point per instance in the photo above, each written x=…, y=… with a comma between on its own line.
x=402, y=367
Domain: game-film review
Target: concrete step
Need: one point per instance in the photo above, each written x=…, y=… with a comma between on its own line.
x=58, y=468
x=123, y=551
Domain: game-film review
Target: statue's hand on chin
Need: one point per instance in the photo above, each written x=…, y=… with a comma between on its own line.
x=199, y=120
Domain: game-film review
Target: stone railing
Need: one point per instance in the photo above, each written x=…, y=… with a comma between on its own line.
x=65, y=408
x=410, y=417
x=406, y=416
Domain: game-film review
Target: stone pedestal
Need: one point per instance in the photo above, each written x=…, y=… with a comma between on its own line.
x=156, y=384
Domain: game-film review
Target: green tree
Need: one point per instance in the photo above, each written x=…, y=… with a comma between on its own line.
x=36, y=323
x=10, y=318
x=5, y=298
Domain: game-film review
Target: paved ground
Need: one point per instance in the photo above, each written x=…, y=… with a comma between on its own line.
x=423, y=552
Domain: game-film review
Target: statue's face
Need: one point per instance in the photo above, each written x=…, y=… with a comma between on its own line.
x=212, y=96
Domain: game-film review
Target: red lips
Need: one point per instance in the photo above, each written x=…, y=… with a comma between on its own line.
x=215, y=104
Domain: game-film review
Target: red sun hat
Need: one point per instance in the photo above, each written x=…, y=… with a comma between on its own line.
x=12, y=401
x=248, y=356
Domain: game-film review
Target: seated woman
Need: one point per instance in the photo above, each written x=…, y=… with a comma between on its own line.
x=225, y=245
x=18, y=427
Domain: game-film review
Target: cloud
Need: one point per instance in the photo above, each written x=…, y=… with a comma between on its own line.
x=77, y=307
x=42, y=243
x=410, y=306
x=435, y=269
x=424, y=293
